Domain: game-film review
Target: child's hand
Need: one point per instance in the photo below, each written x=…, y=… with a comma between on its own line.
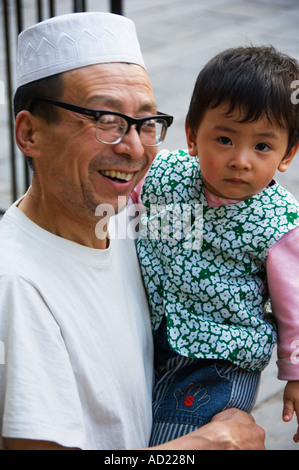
x=291, y=404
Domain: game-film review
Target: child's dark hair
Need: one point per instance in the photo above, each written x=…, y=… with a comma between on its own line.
x=257, y=80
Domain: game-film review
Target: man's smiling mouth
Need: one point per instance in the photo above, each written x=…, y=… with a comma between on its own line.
x=119, y=176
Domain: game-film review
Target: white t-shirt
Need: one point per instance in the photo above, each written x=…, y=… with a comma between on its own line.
x=75, y=329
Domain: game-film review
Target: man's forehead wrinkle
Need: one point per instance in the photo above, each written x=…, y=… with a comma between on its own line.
x=113, y=85
x=106, y=100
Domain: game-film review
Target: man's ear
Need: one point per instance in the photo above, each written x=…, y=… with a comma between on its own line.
x=191, y=140
x=26, y=133
x=285, y=162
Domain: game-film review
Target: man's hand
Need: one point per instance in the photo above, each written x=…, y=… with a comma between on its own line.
x=229, y=430
x=242, y=432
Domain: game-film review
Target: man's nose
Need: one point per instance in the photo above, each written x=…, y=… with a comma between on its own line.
x=131, y=144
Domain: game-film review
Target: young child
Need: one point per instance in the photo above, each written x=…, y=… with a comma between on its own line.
x=214, y=330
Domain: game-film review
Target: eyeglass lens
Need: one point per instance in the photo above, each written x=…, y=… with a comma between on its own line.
x=111, y=129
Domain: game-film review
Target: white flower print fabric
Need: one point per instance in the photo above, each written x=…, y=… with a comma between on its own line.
x=204, y=267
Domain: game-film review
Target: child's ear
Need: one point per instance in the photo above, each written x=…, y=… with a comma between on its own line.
x=191, y=141
x=285, y=162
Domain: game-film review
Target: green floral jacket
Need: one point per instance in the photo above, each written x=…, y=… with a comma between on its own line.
x=204, y=267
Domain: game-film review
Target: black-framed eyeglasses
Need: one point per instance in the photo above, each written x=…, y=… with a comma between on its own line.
x=111, y=127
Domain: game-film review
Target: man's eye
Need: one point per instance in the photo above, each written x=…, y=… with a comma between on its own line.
x=262, y=147
x=108, y=119
x=149, y=126
x=225, y=140
x=111, y=122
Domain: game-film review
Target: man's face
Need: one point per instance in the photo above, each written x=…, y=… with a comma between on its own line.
x=75, y=170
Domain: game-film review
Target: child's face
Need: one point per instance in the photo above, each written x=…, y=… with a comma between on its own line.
x=238, y=160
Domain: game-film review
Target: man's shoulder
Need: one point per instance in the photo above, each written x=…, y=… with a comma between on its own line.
x=9, y=235
x=20, y=247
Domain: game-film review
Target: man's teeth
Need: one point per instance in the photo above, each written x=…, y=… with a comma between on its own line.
x=120, y=175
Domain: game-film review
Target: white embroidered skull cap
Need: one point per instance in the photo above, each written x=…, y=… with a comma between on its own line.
x=75, y=40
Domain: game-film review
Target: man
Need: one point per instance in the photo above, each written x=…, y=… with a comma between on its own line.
x=74, y=317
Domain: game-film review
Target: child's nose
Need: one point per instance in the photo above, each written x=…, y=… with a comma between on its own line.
x=240, y=160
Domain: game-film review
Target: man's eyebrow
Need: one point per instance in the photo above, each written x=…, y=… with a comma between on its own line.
x=148, y=107
x=97, y=102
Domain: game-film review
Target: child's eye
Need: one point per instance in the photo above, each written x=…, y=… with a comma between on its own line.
x=262, y=147
x=225, y=140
